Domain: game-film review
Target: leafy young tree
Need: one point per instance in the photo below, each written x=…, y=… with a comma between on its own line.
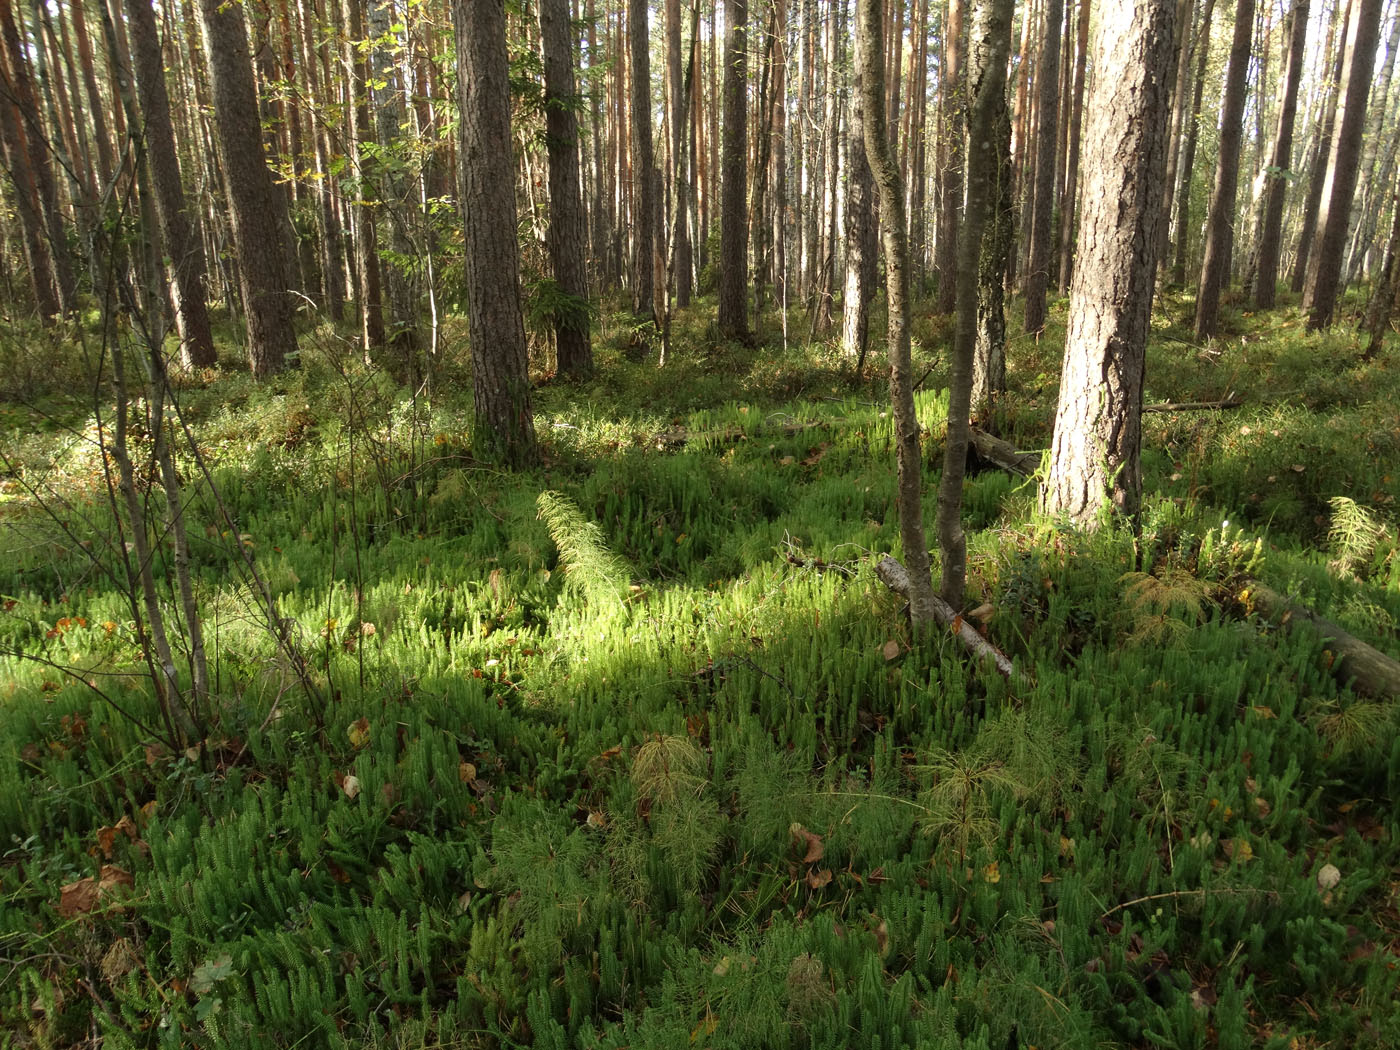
x=1094, y=460
x=505, y=424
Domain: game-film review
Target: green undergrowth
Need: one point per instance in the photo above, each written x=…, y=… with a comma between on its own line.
x=634, y=750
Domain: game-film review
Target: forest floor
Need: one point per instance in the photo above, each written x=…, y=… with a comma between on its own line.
x=634, y=749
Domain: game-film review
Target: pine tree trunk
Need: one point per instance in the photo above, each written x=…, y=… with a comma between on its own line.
x=179, y=225
x=1276, y=174
x=505, y=425
x=358, y=134
x=332, y=244
x=568, y=237
x=1220, y=219
x=733, y=263
x=680, y=188
x=1325, y=267
x=644, y=186
x=1068, y=199
x=1321, y=153
x=953, y=99
x=253, y=199
x=1181, y=86
x=1188, y=152
x=402, y=294
x=21, y=173
x=998, y=242
x=989, y=42
x=1374, y=182
x=20, y=88
x=1037, y=277
x=1095, y=462
x=861, y=235
x=879, y=152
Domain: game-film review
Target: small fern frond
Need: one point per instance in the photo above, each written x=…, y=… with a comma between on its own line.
x=590, y=566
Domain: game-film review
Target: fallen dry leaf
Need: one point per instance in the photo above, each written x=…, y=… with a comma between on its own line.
x=890, y=649
x=815, y=849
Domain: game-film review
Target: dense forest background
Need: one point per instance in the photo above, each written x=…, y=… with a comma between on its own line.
x=464, y=475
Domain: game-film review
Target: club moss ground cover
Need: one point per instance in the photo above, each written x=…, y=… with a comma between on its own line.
x=690, y=782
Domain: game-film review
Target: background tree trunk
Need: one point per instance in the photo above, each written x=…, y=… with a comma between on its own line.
x=952, y=101
x=1281, y=160
x=1043, y=206
x=643, y=161
x=733, y=223
x=861, y=235
x=505, y=424
x=1220, y=220
x=184, y=242
x=1188, y=151
x=1094, y=461
x=568, y=232
x=255, y=206
x=1325, y=267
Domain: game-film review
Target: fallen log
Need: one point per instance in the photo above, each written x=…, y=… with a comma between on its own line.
x=1365, y=668
x=1193, y=406
x=896, y=577
x=1003, y=454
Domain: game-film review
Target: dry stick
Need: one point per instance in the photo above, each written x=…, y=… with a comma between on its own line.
x=894, y=576
x=1193, y=406
x=1201, y=892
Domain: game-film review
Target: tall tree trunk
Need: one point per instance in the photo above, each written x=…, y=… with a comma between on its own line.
x=505, y=424
x=1374, y=182
x=21, y=172
x=680, y=188
x=20, y=88
x=179, y=225
x=1095, y=457
x=98, y=106
x=1387, y=288
x=644, y=186
x=332, y=244
x=1038, y=262
x=1280, y=161
x=255, y=206
x=990, y=41
x=952, y=101
x=870, y=62
x=1325, y=268
x=1220, y=219
x=1181, y=86
x=358, y=135
x=1319, y=169
x=998, y=241
x=1076, y=117
x=568, y=236
x=861, y=235
x=1188, y=152
x=392, y=189
x=733, y=225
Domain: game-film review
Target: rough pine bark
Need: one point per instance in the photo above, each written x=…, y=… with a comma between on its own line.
x=505, y=424
x=1280, y=161
x=568, y=233
x=254, y=207
x=179, y=225
x=998, y=241
x=733, y=222
x=1047, y=111
x=1325, y=268
x=1220, y=219
x=989, y=42
x=1069, y=197
x=1094, y=464
x=643, y=161
x=870, y=62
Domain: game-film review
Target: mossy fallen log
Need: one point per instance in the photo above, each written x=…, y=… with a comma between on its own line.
x=1365, y=668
